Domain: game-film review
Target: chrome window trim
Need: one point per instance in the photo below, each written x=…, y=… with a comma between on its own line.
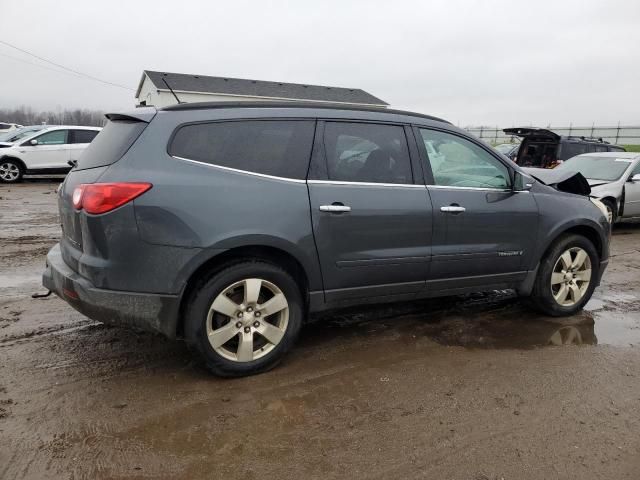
x=237, y=170
x=481, y=189
x=364, y=184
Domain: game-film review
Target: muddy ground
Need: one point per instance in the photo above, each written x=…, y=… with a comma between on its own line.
x=473, y=387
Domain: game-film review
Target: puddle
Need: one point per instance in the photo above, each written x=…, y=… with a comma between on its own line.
x=617, y=318
x=493, y=320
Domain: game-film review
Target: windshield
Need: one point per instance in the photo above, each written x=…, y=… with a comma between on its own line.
x=15, y=135
x=597, y=168
x=504, y=148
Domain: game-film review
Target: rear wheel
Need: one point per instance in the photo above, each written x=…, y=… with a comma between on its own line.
x=11, y=171
x=245, y=318
x=566, y=277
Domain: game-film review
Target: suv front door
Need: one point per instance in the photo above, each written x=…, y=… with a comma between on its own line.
x=371, y=222
x=51, y=150
x=484, y=232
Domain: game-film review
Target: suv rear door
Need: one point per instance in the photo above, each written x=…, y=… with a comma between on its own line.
x=371, y=221
x=79, y=139
x=484, y=232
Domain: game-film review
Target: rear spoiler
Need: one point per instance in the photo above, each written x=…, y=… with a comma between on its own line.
x=144, y=114
x=565, y=181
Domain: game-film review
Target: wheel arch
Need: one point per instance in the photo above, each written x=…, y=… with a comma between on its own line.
x=222, y=259
x=16, y=159
x=589, y=232
x=616, y=202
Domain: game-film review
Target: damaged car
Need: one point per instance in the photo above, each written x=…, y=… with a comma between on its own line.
x=541, y=148
x=614, y=179
x=230, y=224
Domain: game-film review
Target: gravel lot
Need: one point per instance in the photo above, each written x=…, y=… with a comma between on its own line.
x=471, y=387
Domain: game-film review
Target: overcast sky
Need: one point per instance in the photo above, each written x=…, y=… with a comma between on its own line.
x=471, y=62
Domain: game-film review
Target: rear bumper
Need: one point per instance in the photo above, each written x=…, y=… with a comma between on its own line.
x=146, y=311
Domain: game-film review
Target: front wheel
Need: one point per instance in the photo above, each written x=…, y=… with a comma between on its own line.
x=10, y=171
x=244, y=319
x=566, y=277
x=612, y=212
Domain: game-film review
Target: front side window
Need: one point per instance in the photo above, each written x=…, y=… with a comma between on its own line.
x=280, y=148
x=57, y=137
x=367, y=152
x=457, y=162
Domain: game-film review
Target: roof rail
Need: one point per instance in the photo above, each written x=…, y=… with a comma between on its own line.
x=294, y=104
x=587, y=139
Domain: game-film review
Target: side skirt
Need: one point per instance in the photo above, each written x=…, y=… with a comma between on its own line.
x=522, y=282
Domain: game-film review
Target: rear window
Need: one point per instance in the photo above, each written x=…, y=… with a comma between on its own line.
x=272, y=147
x=111, y=143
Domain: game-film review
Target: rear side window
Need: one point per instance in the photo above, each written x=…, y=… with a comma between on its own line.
x=281, y=148
x=570, y=150
x=365, y=152
x=83, y=136
x=111, y=144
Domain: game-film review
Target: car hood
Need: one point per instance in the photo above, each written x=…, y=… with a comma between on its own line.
x=594, y=182
x=562, y=180
x=5, y=144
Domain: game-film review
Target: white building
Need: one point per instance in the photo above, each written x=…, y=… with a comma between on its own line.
x=162, y=89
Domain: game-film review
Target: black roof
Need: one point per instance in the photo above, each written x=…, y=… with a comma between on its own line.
x=258, y=88
x=269, y=104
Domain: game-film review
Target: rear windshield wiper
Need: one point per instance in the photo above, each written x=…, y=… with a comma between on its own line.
x=73, y=163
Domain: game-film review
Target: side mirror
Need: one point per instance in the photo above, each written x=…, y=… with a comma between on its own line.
x=521, y=182
x=636, y=178
x=34, y=142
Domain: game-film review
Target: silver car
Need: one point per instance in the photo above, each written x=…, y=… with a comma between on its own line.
x=614, y=178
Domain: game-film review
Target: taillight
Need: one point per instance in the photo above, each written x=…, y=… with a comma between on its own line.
x=103, y=197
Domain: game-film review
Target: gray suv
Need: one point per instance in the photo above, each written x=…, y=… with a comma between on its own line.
x=228, y=224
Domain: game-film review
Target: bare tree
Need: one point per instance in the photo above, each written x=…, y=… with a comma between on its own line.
x=25, y=115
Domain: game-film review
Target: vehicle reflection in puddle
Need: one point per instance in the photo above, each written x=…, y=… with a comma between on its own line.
x=493, y=320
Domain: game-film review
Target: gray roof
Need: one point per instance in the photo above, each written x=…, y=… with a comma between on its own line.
x=258, y=88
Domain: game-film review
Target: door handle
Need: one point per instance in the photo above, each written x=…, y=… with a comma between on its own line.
x=335, y=208
x=453, y=209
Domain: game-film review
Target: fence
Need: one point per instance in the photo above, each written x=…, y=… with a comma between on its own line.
x=621, y=134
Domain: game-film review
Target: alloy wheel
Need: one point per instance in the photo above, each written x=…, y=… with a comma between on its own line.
x=571, y=276
x=9, y=171
x=247, y=320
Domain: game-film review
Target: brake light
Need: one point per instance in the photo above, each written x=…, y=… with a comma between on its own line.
x=103, y=197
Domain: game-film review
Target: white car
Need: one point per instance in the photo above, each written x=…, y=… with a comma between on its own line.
x=51, y=150
x=7, y=127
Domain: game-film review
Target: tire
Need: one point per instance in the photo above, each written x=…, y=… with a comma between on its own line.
x=547, y=297
x=11, y=171
x=611, y=210
x=243, y=323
